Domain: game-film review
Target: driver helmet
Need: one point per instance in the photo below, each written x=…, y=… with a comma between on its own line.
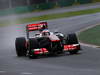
x=45, y=32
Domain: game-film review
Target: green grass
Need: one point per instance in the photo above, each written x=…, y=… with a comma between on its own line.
x=91, y=36
x=51, y=16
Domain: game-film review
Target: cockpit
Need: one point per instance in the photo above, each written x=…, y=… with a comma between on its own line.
x=45, y=32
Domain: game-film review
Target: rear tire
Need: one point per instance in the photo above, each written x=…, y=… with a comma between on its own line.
x=20, y=46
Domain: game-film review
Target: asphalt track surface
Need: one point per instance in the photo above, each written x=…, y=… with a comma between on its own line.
x=86, y=62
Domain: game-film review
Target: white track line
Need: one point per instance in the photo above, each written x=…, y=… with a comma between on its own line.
x=26, y=73
x=85, y=44
x=2, y=71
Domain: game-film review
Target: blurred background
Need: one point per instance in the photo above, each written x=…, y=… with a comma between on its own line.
x=66, y=16
x=21, y=6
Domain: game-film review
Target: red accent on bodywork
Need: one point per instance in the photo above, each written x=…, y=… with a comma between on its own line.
x=69, y=47
x=33, y=27
x=44, y=23
x=44, y=50
x=41, y=51
x=55, y=40
x=36, y=52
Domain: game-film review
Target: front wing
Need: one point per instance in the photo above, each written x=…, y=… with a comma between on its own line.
x=72, y=47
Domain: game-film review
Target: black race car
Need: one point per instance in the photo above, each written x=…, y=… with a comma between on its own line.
x=45, y=42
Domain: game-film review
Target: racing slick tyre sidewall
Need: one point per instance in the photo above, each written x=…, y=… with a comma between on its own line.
x=20, y=46
x=72, y=39
x=33, y=44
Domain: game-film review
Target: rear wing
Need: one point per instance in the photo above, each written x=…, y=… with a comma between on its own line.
x=38, y=26
x=35, y=27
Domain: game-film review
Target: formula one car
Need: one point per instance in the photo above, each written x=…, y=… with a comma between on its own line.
x=45, y=42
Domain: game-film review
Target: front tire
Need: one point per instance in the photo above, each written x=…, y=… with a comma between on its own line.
x=33, y=44
x=72, y=39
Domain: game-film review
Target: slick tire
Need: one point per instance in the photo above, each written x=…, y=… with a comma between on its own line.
x=72, y=39
x=20, y=46
x=33, y=44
